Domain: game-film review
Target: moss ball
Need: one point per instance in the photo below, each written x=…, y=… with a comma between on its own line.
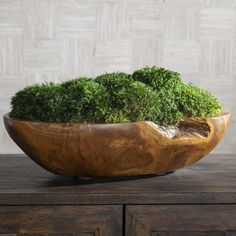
x=197, y=102
x=139, y=103
x=157, y=78
x=84, y=100
x=115, y=84
x=38, y=103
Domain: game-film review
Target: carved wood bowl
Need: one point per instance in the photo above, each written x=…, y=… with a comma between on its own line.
x=138, y=148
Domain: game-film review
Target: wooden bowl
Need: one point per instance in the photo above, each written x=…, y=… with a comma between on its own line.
x=138, y=148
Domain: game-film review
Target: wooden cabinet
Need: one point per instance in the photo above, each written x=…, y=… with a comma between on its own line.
x=195, y=201
x=60, y=220
x=177, y=220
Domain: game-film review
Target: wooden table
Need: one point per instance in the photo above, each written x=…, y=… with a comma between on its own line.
x=199, y=200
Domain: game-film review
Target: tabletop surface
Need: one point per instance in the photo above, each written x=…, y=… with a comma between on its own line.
x=210, y=181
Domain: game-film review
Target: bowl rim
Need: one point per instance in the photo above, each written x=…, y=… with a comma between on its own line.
x=224, y=112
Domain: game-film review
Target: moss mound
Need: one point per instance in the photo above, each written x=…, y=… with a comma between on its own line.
x=38, y=103
x=157, y=78
x=128, y=100
x=150, y=93
x=197, y=102
x=84, y=100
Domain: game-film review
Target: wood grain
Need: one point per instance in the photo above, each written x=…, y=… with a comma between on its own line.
x=82, y=220
x=180, y=220
x=137, y=148
x=196, y=201
x=210, y=181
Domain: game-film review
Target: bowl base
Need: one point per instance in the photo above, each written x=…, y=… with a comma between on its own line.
x=94, y=180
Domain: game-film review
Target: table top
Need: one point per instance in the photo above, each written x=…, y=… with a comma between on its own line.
x=210, y=181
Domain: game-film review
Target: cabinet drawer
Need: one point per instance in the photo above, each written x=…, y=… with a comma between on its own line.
x=60, y=220
x=184, y=220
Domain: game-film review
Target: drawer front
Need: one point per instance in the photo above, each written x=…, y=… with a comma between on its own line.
x=181, y=220
x=61, y=220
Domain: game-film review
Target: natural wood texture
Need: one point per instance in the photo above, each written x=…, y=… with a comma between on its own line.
x=82, y=220
x=200, y=220
x=181, y=233
x=196, y=201
x=210, y=181
x=127, y=149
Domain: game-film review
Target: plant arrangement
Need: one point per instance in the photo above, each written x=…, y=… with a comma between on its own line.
x=151, y=93
x=87, y=126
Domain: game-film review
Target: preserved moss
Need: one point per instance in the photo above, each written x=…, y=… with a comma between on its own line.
x=150, y=93
x=157, y=78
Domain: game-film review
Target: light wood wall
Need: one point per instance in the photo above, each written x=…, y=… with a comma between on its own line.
x=54, y=40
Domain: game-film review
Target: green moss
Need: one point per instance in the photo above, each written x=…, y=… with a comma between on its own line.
x=169, y=107
x=176, y=99
x=78, y=100
x=157, y=78
x=139, y=103
x=116, y=84
x=128, y=100
x=151, y=93
x=197, y=102
x=166, y=84
x=84, y=100
x=38, y=103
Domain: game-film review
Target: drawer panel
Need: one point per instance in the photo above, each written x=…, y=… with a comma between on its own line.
x=185, y=220
x=60, y=220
